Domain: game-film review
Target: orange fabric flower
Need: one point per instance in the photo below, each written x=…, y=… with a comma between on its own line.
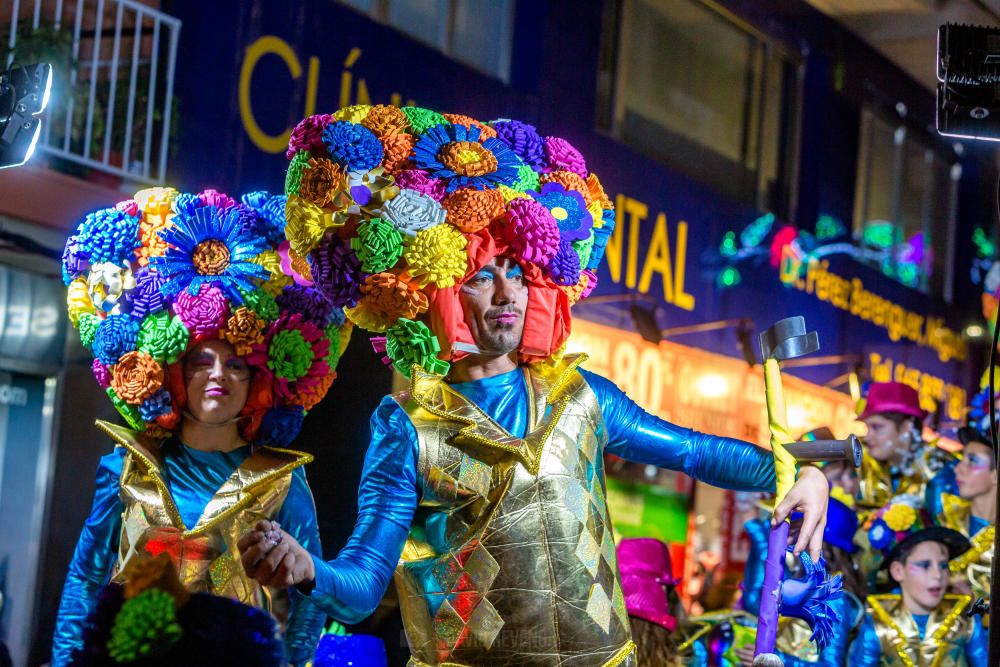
x=136, y=377
x=244, y=330
x=567, y=179
x=596, y=193
x=321, y=181
x=312, y=394
x=470, y=210
x=574, y=292
x=385, y=120
x=485, y=131
x=396, y=152
x=153, y=244
x=385, y=297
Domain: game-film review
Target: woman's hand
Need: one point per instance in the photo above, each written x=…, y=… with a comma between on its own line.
x=810, y=496
x=275, y=558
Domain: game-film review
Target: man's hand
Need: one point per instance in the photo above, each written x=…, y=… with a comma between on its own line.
x=273, y=557
x=810, y=496
x=745, y=655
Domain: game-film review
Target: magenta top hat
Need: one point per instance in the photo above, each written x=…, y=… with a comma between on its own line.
x=644, y=564
x=892, y=397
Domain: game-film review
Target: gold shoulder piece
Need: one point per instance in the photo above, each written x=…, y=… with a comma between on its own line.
x=144, y=449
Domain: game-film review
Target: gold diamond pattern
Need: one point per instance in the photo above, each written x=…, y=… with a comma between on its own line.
x=599, y=607
x=589, y=552
x=221, y=571
x=485, y=623
x=448, y=625
x=577, y=500
x=475, y=475
x=447, y=571
x=482, y=568
x=618, y=601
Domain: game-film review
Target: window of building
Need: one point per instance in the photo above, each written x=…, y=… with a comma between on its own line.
x=904, y=211
x=474, y=32
x=709, y=97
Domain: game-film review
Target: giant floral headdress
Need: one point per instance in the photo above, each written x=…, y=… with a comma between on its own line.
x=155, y=274
x=390, y=209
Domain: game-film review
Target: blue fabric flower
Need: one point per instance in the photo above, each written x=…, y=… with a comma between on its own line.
x=256, y=199
x=115, y=336
x=270, y=216
x=186, y=204
x=187, y=262
x=524, y=140
x=280, y=426
x=354, y=147
x=601, y=236
x=568, y=208
x=429, y=146
x=880, y=536
x=156, y=405
x=109, y=235
x=337, y=317
x=75, y=259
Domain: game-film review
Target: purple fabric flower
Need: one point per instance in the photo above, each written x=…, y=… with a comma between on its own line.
x=525, y=141
x=563, y=155
x=337, y=272
x=146, y=297
x=569, y=210
x=203, y=314
x=75, y=260
x=308, y=136
x=415, y=179
x=115, y=336
x=249, y=219
x=156, y=405
x=310, y=302
x=564, y=267
x=591, y=283
x=101, y=373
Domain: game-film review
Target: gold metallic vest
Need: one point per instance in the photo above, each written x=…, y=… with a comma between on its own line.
x=975, y=564
x=945, y=638
x=511, y=558
x=206, y=555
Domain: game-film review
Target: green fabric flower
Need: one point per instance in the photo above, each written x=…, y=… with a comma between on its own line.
x=422, y=119
x=87, y=326
x=162, y=337
x=409, y=342
x=145, y=626
x=130, y=413
x=527, y=179
x=378, y=245
x=583, y=247
x=261, y=303
x=293, y=177
x=290, y=356
x=333, y=358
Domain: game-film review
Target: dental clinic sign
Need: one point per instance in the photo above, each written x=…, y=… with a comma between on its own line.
x=32, y=321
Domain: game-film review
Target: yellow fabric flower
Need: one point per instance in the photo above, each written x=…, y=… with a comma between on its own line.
x=354, y=113
x=278, y=281
x=155, y=201
x=510, y=194
x=78, y=300
x=436, y=255
x=900, y=517
x=306, y=224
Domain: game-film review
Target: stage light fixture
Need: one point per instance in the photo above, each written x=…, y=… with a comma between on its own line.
x=968, y=71
x=24, y=94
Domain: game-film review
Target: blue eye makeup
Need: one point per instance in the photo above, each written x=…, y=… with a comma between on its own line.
x=515, y=272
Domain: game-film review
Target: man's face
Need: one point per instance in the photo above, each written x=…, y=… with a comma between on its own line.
x=923, y=578
x=494, y=301
x=975, y=473
x=882, y=437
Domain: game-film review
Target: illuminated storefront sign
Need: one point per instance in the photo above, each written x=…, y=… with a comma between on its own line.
x=32, y=318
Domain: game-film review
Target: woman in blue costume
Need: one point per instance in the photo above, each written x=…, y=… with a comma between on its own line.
x=211, y=356
x=483, y=486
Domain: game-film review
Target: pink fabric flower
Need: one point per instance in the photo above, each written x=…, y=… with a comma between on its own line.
x=563, y=155
x=591, y=283
x=215, y=198
x=203, y=314
x=101, y=373
x=308, y=136
x=415, y=179
x=531, y=231
x=129, y=207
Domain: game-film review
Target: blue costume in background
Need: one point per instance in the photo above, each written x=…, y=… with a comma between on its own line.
x=193, y=477
x=350, y=586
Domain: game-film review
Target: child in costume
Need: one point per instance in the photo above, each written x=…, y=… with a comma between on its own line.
x=973, y=511
x=466, y=243
x=922, y=624
x=212, y=356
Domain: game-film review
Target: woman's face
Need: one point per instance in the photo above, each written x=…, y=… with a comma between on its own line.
x=217, y=382
x=975, y=473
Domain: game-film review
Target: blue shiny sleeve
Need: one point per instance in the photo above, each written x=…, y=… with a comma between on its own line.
x=638, y=436
x=753, y=573
x=305, y=620
x=350, y=586
x=977, y=651
x=866, y=650
x=92, y=561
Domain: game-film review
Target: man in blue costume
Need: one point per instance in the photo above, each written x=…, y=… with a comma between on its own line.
x=483, y=486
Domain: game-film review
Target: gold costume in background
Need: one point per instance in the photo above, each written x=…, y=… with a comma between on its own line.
x=206, y=555
x=945, y=638
x=498, y=512
x=975, y=564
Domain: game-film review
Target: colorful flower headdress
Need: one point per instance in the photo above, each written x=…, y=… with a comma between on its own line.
x=162, y=271
x=391, y=208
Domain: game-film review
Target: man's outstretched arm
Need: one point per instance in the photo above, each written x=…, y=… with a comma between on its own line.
x=350, y=586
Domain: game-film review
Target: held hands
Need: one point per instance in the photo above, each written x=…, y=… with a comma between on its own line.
x=275, y=558
x=810, y=496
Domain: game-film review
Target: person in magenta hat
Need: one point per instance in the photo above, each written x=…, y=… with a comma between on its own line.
x=650, y=598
